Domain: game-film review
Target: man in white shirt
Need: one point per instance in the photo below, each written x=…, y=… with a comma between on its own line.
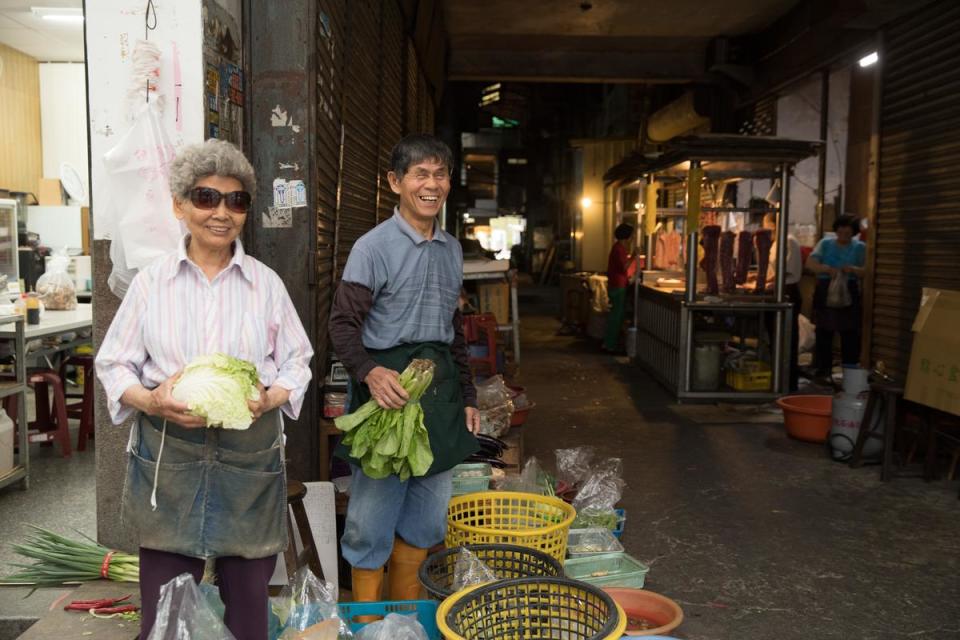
x=794, y=271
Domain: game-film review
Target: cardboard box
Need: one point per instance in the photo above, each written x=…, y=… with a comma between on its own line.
x=50, y=192
x=495, y=299
x=933, y=378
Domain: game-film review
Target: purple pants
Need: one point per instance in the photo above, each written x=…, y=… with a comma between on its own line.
x=243, y=588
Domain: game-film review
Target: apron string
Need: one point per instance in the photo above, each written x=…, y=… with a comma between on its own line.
x=156, y=472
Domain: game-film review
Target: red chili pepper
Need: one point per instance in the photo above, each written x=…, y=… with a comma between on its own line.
x=110, y=610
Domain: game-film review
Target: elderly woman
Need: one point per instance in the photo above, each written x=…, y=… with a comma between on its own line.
x=194, y=492
x=832, y=256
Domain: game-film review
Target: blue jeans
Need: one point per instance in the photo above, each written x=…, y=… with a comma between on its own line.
x=379, y=510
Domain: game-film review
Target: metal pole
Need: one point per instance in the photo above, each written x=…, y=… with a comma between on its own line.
x=692, y=239
x=824, y=132
x=778, y=350
x=783, y=230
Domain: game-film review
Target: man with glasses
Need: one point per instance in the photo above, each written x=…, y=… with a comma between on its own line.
x=398, y=301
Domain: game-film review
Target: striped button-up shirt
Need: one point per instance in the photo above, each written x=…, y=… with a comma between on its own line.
x=172, y=313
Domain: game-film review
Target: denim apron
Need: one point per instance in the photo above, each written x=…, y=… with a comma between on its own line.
x=443, y=413
x=217, y=492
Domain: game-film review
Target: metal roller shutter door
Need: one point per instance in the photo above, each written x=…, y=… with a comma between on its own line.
x=392, y=86
x=917, y=239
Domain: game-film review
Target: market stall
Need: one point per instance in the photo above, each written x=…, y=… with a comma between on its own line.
x=709, y=323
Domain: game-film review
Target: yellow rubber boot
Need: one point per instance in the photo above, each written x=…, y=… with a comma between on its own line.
x=403, y=583
x=367, y=584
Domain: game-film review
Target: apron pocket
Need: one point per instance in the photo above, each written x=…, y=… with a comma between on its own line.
x=245, y=514
x=179, y=514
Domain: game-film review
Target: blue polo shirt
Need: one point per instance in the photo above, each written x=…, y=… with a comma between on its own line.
x=415, y=283
x=832, y=254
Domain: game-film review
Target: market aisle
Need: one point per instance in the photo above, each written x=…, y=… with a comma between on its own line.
x=755, y=535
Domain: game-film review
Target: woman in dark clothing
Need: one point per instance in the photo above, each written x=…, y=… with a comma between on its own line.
x=831, y=257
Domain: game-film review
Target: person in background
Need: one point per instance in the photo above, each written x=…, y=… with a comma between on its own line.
x=399, y=301
x=842, y=254
x=791, y=279
x=191, y=492
x=620, y=267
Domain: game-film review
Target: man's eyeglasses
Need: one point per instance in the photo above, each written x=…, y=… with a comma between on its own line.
x=207, y=198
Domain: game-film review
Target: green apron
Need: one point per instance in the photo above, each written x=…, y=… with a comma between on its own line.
x=443, y=413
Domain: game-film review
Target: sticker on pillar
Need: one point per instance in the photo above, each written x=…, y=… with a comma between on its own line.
x=296, y=193
x=280, y=189
x=278, y=218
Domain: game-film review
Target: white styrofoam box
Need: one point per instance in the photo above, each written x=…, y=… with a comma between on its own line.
x=58, y=227
x=6, y=444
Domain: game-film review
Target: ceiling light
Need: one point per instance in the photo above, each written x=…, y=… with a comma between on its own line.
x=586, y=202
x=58, y=14
x=869, y=59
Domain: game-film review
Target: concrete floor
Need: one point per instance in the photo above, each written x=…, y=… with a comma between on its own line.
x=755, y=535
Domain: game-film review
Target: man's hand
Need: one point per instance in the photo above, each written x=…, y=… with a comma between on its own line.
x=473, y=420
x=386, y=389
x=269, y=400
x=162, y=404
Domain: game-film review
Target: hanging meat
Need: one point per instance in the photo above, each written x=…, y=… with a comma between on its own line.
x=710, y=243
x=726, y=261
x=744, y=255
x=764, y=242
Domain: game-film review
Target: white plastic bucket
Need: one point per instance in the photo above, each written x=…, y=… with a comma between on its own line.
x=707, y=366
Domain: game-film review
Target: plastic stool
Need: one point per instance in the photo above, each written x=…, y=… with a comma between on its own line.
x=296, y=512
x=45, y=428
x=82, y=410
x=476, y=327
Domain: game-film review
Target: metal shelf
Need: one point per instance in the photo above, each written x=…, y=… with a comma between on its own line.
x=21, y=471
x=10, y=388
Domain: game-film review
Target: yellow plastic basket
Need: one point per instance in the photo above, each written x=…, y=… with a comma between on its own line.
x=507, y=517
x=536, y=607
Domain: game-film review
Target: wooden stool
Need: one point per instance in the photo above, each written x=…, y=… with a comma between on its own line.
x=83, y=409
x=308, y=556
x=46, y=427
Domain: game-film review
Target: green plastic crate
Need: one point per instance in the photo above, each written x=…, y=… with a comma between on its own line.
x=471, y=484
x=608, y=570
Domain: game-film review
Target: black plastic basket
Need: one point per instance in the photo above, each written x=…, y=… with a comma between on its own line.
x=531, y=608
x=507, y=561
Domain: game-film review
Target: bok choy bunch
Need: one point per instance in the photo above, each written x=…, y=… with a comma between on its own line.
x=392, y=441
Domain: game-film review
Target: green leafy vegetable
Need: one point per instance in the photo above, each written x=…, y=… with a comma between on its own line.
x=217, y=387
x=392, y=441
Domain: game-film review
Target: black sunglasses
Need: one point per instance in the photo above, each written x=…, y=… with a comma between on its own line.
x=207, y=198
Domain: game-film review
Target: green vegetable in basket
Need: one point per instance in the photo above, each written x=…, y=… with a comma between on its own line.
x=392, y=441
x=589, y=518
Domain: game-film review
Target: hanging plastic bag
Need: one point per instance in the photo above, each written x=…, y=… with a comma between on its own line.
x=470, y=570
x=394, y=627
x=183, y=613
x=139, y=216
x=838, y=295
x=307, y=608
x=56, y=288
x=492, y=392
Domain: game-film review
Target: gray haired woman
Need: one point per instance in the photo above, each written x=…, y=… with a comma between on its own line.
x=192, y=492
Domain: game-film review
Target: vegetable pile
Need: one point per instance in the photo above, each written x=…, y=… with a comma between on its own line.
x=217, y=387
x=392, y=441
x=59, y=560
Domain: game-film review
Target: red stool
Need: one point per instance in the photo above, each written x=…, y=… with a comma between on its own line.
x=482, y=328
x=82, y=410
x=44, y=429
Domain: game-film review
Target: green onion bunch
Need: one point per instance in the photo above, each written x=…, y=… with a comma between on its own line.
x=58, y=560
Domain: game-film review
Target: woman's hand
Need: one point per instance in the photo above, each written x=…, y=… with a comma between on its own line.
x=161, y=403
x=269, y=400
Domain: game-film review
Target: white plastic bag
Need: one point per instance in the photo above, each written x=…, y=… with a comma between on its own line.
x=183, y=613
x=55, y=288
x=838, y=295
x=470, y=570
x=139, y=216
x=393, y=627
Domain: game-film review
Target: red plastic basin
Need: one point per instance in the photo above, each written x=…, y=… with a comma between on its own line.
x=807, y=418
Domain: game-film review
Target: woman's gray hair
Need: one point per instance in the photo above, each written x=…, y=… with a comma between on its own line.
x=210, y=158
